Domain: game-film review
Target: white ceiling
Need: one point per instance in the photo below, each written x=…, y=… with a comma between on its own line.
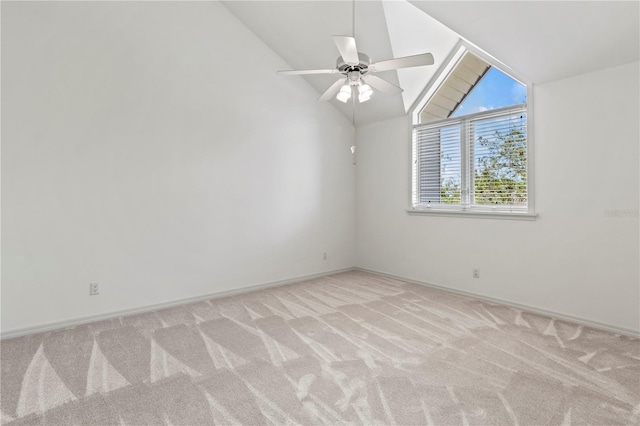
x=542, y=41
x=546, y=40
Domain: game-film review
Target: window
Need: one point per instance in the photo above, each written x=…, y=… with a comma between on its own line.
x=471, y=145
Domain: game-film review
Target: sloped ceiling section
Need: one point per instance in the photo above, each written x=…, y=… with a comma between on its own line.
x=546, y=40
x=541, y=41
x=412, y=32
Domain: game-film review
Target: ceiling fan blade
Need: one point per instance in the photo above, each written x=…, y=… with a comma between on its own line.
x=382, y=85
x=405, y=62
x=302, y=72
x=347, y=48
x=332, y=90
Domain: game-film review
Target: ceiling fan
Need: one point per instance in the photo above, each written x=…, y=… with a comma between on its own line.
x=357, y=71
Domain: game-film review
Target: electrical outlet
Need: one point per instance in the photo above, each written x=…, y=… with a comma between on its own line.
x=476, y=273
x=94, y=289
x=324, y=255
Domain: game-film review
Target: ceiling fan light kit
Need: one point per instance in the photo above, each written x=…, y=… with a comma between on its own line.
x=356, y=67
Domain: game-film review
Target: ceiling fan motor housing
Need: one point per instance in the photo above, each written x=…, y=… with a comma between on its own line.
x=362, y=67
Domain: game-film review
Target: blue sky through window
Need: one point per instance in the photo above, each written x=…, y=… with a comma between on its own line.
x=495, y=90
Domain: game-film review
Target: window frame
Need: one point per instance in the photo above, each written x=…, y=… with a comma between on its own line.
x=414, y=112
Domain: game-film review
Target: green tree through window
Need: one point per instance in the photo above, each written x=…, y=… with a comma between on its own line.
x=500, y=172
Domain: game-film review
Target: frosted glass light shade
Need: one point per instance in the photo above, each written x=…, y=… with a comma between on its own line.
x=344, y=94
x=365, y=93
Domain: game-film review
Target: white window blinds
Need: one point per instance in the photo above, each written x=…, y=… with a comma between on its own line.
x=474, y=162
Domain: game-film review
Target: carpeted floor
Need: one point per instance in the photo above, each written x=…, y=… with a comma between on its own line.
x=353, y=348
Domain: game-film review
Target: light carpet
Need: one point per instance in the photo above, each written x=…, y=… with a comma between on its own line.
x=351, y=348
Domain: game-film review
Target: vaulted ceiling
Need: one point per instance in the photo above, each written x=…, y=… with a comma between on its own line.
x=542, y=41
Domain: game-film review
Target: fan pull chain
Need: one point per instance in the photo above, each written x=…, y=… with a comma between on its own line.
x=353, y=110
x=353, y=120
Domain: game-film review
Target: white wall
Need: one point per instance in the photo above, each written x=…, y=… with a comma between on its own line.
x=573, y=260
x=151, y=147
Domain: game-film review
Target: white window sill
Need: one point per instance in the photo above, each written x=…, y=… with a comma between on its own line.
x=477, y=214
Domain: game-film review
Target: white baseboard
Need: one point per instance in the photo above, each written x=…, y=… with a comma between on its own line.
x=125, y=312
x=142, y=309
x=532, y=309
